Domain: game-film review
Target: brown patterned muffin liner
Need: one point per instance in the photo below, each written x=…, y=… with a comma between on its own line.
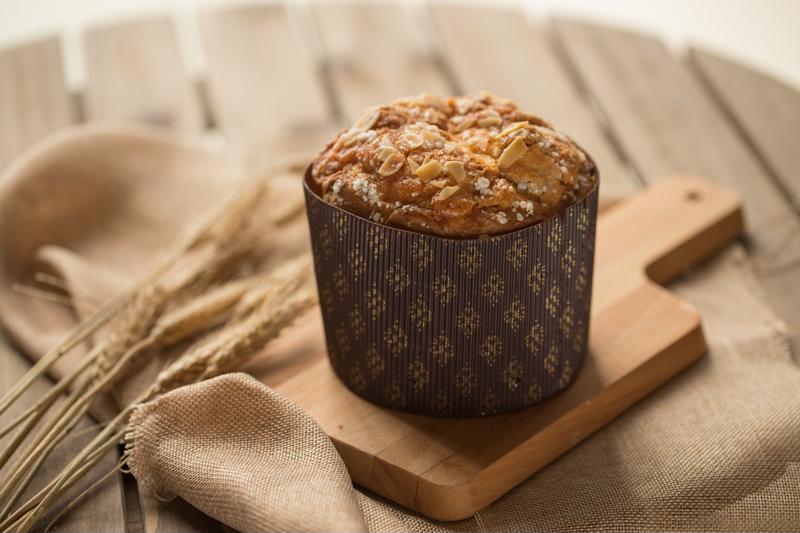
x=454, y=327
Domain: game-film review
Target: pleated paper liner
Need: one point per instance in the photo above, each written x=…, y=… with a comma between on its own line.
x=454, y=327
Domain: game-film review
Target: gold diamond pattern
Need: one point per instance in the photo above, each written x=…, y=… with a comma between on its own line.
x=512, y=374
x=491, y=349
x=395, y=338
x=553, y=301
x=551, y=360
x=444, y=289
x=356, y=263
x=394, y=396
x=376, y=242
x=340, y=282
x=420, y=313
x=568, y=260
x=555, y=236
x=466, y=381
x=418, y=374
x=468, y=321
x=489, y=403
x=376, y=304
x=440, y=403
x=398, y=278
x=421, y=253
x=374, y=362
x=536, y=278
x=533, y=394
x=442, y=349
x=494, y=287
x=535, y=337
x=514, y=314
x=517, y=254
x=357, y=324
x=566, y=374
x=357, y=381
x=469, y=260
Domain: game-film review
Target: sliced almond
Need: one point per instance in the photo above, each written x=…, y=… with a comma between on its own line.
x=488, y=122
x=392, y=164
x=439, y=183
x=480, y=142
x=512, y=152
x=462, y=123
x=514, y=126
x=430, y=136
x=413, y=140
x=429, y=170
x=385, y=151
x=456, y=169
x=369, y=118
x=412, y=165
x=349, y=137
x=447, y=192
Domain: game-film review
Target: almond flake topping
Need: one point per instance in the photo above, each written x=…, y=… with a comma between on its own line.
x=456, y=169
x=429, y=170
x=439, y=183
x=413, y=140
x=349, y=137
x=431, y=137
x=512, y=152
x=488, y=122
x=447, y=192
x=514, y=127
x=412, y=165
x=462, y=123
x=385, y=151
x=392, y=164
x=369, y=118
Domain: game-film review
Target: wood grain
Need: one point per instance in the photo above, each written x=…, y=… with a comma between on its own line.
x=264, y=89
x=373, y=55
x=641, y=336
x=499, y=51
x=135, y=72
x=667, y=123
x=766, y=110
x=34, y=100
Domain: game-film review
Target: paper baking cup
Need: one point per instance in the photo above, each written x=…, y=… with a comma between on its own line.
x=454, y=327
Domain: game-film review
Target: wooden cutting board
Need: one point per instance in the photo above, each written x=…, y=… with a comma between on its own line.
x=641, y=336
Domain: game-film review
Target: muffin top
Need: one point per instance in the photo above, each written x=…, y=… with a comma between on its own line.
x=454, y=167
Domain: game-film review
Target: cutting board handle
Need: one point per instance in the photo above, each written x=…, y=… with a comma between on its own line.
x=701, y=216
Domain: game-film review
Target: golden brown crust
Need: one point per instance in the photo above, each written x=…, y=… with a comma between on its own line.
x=456, y=167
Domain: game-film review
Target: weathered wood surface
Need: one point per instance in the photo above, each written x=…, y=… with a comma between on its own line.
x=33, y=96
x=766, y=111
x=667, y=123
x=374, y=54
x=264, y=87
x=135, y=72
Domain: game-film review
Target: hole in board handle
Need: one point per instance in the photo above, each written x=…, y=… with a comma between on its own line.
x=693, y=196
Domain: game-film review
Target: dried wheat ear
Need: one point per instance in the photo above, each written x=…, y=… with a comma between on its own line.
x=209, y=299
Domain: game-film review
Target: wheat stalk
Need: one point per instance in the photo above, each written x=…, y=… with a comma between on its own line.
x=233, y=346
x=185, y=296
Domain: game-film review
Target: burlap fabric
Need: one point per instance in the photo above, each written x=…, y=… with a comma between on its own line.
x=717, y=448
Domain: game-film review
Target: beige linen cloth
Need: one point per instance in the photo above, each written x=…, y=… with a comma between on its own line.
x=716, y=448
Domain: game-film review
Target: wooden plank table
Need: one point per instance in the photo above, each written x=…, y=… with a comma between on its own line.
x=280, y=79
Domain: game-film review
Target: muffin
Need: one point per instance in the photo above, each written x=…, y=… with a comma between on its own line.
x=453, y=243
